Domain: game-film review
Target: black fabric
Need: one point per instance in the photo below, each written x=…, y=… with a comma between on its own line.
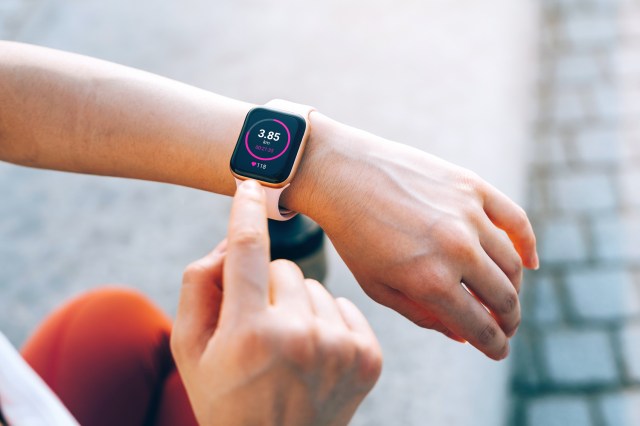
x=295, y=239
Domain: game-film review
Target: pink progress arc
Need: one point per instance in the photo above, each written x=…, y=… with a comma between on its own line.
x=246, y=142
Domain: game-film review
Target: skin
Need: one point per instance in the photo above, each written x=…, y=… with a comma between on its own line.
x=429, y=239
x=263, y=345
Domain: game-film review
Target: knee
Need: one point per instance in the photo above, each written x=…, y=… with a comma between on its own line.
x=121, y=306
x=115, y=314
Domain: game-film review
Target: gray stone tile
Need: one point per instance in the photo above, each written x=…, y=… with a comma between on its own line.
x=579, y=358
x=603, y=294
x=562, y=240
x=629, y=182
x=630, y=341
x=588, y=29
x=573, y=69
x=546, y=307
x=598, y=145
x=614, y=237
x=526, y=374
x=559, y=411
x=569, y=106
x=585, y=191
x=621, y=409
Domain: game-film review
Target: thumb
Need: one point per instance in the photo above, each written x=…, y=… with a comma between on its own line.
x=246, y=267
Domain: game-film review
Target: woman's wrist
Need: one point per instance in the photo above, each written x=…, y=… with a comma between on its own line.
x=316, y=174
x=336, y=155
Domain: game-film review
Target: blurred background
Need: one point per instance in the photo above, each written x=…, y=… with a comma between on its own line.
x=541, y=98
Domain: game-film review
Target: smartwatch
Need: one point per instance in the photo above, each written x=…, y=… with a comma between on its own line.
x=269, y=149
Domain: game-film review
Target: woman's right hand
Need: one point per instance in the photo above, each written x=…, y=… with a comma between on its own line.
x=256, y=343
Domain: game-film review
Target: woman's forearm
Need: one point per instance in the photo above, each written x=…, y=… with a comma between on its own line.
x=68, y=112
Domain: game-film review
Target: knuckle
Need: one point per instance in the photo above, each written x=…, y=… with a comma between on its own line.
x=193, y=271
x=487, y=334
x=285, y=264
x=460, y=242
x=339, y=346
x=492, y=342
x=252, y=338
x=369, y=365
x=253, y=344
x=313, y=283
x=509, y=304
x=247, y=237
x=299, y=343
x=316, y=289
x=440, y=290
x=470, y=180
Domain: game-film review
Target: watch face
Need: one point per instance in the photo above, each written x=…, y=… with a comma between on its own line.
x=268, y=145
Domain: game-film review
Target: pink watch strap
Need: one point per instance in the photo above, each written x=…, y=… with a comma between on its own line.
x=274, y=211
x=286, y=106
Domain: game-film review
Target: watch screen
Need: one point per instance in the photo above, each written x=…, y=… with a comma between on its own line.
x=268, y=145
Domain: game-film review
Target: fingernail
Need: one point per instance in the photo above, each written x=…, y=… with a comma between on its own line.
x=514, y=331
x=536, y=262
x=250, y=186
x=505, y=351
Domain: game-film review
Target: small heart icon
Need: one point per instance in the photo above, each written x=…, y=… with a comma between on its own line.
x=253, y=163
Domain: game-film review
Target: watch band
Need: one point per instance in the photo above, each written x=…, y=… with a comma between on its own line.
x=274, y=211
x=286, y=106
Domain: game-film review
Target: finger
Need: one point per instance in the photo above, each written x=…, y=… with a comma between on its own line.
x=495, y=291
x=324, y=306
x=354, y=318
x=199, y=305
x=399, y=302
x=465, y=316
x=288, y=288
x=246, y=268
x=370, y=351
x=500, y=249
x=510, y=217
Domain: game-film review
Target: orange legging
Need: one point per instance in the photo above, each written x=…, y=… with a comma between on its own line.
x=106, y=355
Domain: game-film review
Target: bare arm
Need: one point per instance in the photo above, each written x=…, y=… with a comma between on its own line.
x=69, y=112
x=411, y=227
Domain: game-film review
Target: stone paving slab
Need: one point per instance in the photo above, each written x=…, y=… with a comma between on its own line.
x=584, y=366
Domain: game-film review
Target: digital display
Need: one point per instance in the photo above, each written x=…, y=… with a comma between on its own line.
x=268, y=145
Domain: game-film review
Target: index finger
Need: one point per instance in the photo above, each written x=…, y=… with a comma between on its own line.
x=246, y=267
x=511, y=218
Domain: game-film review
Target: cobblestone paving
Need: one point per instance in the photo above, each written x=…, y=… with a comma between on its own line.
x=579, y=353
